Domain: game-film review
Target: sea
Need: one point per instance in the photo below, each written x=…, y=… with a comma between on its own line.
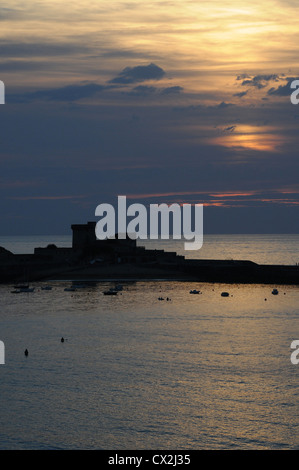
x=188, y=372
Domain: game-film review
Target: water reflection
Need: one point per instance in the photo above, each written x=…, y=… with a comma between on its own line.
x=199, y=371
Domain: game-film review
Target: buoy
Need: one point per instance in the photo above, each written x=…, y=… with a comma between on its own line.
x=62, y=340
x=26, y=352
x=224, y=294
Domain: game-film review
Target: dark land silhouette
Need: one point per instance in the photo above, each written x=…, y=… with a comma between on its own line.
x=92, y=259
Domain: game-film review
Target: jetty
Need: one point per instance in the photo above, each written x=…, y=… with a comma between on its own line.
x=121, y=259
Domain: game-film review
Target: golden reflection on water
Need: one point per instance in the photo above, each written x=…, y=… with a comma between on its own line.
x=197, y=371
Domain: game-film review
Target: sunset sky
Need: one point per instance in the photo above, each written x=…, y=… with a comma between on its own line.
x=162, y=101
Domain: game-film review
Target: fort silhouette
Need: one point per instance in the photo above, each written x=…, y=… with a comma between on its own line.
x=121, y=259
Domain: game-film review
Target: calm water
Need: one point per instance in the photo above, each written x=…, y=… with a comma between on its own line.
x=262, y=249
x=197, y=372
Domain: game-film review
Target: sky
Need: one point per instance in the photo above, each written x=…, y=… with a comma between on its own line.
x=161, y=101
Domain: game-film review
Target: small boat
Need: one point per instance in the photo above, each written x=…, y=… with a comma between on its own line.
x=110, y=292
x=26, y=289
x=15, y=291
x=224, y=294
x=69, y=289
x=275, y=292
x=47, y=288
x=194, y=291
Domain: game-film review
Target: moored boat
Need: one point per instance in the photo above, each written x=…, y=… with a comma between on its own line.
x=110, y=292
x=224, y=294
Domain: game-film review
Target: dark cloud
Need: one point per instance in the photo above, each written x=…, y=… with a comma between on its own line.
x=223, y=105
x=229, y=129
x=260, y=81
x=263, y=81
x=145, y=90
x=140, y=73
x=172, y=90
x=76, y=92
x=67, y=93
x=241, y=94
x=283, y=90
